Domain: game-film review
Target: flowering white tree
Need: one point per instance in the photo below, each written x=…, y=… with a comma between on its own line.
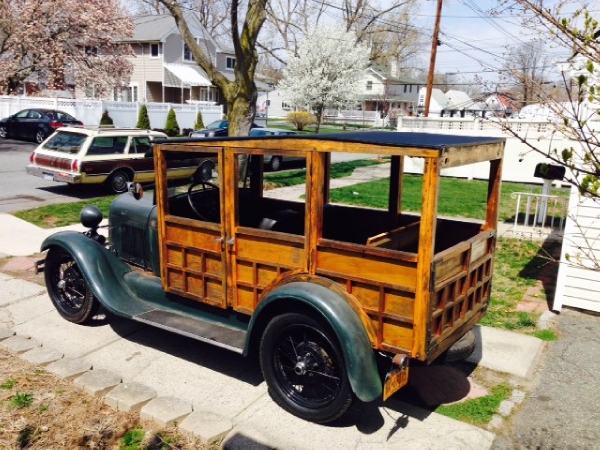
x=326, y=72
x=64, y=40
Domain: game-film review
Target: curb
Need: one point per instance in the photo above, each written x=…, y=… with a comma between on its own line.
x=166, y=411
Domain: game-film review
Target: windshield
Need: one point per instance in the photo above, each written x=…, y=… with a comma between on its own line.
x=217, y=125
x=66, y=142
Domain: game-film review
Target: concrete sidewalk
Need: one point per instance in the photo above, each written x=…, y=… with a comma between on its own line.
x=213, y=393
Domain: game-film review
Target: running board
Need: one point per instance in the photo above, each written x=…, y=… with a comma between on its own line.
x=219, y=335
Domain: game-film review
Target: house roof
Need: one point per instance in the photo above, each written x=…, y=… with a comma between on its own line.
x=156, y=28
x=460, y=100
x=384, y=73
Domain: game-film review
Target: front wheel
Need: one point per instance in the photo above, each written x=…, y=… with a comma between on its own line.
x=304, y=368
x=3, y=132
x=69, y=291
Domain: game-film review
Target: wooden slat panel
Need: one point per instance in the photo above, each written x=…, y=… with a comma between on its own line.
x=270, y=251
x=378, y=270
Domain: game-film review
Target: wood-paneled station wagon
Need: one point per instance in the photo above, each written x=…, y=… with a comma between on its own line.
x=320, y=290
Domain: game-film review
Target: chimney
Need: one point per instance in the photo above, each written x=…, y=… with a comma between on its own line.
x=394, y=68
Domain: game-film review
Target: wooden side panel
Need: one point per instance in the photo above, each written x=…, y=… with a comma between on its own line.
x=193, y=260
x=260, y=258
x=462, y=287
x=383, y=284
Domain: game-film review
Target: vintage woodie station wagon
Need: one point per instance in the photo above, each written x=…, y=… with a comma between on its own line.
x=321, y=291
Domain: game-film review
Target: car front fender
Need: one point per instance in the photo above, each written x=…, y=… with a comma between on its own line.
x=101, y=268
x=343, y=320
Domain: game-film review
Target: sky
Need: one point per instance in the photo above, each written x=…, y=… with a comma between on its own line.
x=474, y=42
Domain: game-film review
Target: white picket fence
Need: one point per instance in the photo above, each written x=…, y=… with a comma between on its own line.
x=124, y=114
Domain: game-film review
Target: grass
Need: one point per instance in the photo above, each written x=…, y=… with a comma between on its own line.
x=64, y=213
x=338, y=170
x=478, y=411
x=471, y=196
x=517, y=265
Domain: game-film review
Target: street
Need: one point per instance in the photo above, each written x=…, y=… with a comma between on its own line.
x=19, y=191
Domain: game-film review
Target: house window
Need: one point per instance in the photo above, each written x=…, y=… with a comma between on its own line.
x=187, y=53
x=405, y=88
x=285, y=106
x=133, y=93
x=154, y=50
x=369, y=85
x=230, y=63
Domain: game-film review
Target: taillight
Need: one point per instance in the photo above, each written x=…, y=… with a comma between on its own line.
x=75, y=166
x=32, y=158
x=55, y=124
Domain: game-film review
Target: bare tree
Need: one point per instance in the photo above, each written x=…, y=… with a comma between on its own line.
x=386, y=30
x=212, y=14
x=240, y=93
x=527, y=66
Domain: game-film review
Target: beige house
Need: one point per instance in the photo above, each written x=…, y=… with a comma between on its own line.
x=382, y=89
x=164, y=69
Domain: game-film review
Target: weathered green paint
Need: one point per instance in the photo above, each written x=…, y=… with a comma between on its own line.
x=351, y=334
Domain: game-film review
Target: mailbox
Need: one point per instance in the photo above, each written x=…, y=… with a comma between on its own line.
x=549, y=171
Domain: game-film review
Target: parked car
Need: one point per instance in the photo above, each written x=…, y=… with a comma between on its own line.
x=274, y=162
x=109, y=156
x=317, y=290
x=217, y=128
x=36, y=124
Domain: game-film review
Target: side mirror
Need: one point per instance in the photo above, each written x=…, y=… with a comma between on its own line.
x=136, y=190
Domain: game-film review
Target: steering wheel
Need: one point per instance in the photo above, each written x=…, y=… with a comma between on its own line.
x=208, y=200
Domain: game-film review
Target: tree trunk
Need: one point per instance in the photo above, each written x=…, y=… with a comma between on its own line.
x=320, y=110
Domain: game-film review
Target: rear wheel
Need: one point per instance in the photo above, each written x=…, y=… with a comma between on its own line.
x=304, y=368
x=3, y=132
x=117, y=182
x=275, y=163
x=69, y=291
x=205, y=171
x=40, y=136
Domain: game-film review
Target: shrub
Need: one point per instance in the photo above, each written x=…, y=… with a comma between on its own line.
x=106, y=120
x=301, y=119
x=172, y=127
x=143, y=119
x=199, y=122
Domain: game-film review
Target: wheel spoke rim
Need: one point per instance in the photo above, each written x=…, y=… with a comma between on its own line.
x=69, y=286
x=307, y=367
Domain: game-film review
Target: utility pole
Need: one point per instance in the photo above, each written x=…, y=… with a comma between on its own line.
x=434, y=46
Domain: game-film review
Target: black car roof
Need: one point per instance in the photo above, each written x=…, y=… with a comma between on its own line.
x=389, y=138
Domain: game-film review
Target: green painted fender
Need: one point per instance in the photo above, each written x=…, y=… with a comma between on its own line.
x=356, y=348
x=101, y=268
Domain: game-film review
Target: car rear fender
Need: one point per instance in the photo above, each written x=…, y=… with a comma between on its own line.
x=342, y=319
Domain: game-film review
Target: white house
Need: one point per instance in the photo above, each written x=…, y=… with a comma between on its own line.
x=578, y=281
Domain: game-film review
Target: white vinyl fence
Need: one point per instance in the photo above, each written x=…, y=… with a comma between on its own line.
x=124, y=114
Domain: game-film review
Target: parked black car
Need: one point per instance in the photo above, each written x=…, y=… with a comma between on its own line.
x=35, y=124
x=216, y=128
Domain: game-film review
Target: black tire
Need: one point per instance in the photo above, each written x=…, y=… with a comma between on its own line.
x=461, y=349
x=69, y=291
x=117, y=182
x=304, y=368
x=275, y=163
x=40, y=136
x=206, y=170
x=3, y=132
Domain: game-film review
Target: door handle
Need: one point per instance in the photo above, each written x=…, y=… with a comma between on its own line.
x=231, y=241
x=221, y=239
